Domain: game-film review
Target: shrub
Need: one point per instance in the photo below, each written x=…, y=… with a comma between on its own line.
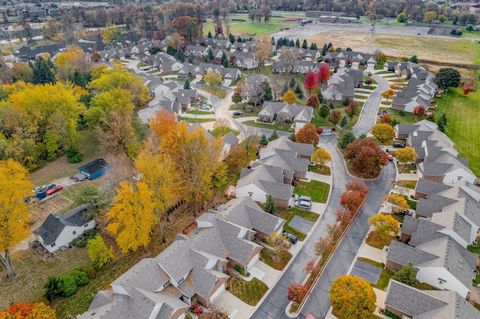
x=84, y=238
x=240, y=269
x=73, y=155
x=66, y=285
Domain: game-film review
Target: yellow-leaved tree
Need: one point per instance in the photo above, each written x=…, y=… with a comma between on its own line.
x=15, y=187
x=118, y=77
x=289, y=97
x=352, y=298
x=406, y=155
x=132, y=217
x=70, y=60
x=399, y=201
x=385, y=225
x=159, y=173
x=98, y=252
x=212, y=78
x=321, y=155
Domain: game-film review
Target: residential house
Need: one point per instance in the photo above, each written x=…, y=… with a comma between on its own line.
x=58, y=231
x=301, y=54
x=247, y=46
x=341, y=85
x=286, y=159
x=243, y=60
x=165, y=63
x=192, y=269
x=352, y=59
x=438, y=159
x=302, y=66
x=284, y=112
x=262, y=181
x=229, y=140
x=302, y=150
x=420, y=90
x=408, y=302
x=440, y=262
x=229, y=75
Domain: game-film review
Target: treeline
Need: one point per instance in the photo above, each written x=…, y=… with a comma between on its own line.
x=45, y=106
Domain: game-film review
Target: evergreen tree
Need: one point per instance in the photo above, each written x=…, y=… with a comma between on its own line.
x=297, y=43
x=239, y=40
x=231, y=38
x=43, y=72
x=79, y=78
x=304, y=44
x=180, y=56
x=210, y=56
x=343, y=121
x=190, y=59
x=292, y=137
x=274, y=136
x=273, y=41
x=291, y=43
x=264, y=141
x=346, y=138
x=299, y=92
x=267, y=91
x=406, y=275
x=324, y=49
x=270, y=205
x=186, y=85
x=293, y=83
x=209, y=35
x=313, y=46
x=224, y=60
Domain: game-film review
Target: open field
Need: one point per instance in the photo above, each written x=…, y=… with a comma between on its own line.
x=463, y=116
x=249, y=28
x=33, y=272
x=429, y=48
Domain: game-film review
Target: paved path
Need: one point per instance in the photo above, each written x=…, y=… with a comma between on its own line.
x=318, y=304
x=368, y=116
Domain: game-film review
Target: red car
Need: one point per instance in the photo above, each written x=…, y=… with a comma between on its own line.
x=54, y=190
x=389, y=157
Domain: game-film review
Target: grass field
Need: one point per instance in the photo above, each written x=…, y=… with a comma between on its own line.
x=463, y=116
x=196, y=120
x=429, y=48
x=222, y=131
x=249, y=28
x=317, y=190
x=249, y=292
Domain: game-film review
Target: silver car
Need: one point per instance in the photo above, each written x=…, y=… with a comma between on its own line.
x=303, y=202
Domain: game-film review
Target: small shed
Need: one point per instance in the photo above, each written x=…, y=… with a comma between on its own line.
x=95, y=168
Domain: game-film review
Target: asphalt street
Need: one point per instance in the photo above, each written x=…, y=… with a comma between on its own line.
x=318, y=303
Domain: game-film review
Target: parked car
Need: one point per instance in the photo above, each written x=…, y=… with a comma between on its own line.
x=79, y=177
x=399, y=144
x=389, y=157
x=204, y=107
x=303, y=202
x=237, y=113
x=54, y=190
x=319, y=130
x=291, y=237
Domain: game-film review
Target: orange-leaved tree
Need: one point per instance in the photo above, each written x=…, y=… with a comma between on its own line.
x=307, y=134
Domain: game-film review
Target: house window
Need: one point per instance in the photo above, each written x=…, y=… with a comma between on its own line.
x=74, y=232
x=441, y=281
x=250, y=194
x=85, y=226
x=52, y=245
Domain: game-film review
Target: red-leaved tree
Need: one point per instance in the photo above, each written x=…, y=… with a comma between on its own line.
x=311, y=82
x=351, y=200
x=365, y=157
x=419, y=110
x=357, y=185
x=323, y=73
x=313, y=101
x=307, y=134
x=296, y=292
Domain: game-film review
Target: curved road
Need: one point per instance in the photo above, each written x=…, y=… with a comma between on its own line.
x=368, y=116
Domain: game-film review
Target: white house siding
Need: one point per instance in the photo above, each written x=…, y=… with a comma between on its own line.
x=431, y=275
x=251, y=191
x=458, y=175
x=66, y=236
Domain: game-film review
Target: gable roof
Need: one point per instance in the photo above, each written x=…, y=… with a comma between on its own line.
x=53, y=225
x=402, y=254
x=284, y=143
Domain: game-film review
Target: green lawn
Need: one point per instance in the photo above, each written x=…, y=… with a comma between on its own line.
x=223, y=130
x=463, y=116
x=249, y=292
x=407, y=184
x=288, y=215
x=267, y=256
x=249, y=28
x=196, y=112
x=220, y=93
x=402, y=117
x=196, y=120
x=320, y=169
x=318, y=191
x=279, y=126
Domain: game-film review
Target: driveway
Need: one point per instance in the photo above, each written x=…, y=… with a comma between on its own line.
x=368, y=116
x=318, y=304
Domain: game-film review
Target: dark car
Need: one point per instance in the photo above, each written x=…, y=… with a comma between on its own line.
x=399, y=144
x=291, y=237
x=237, y=113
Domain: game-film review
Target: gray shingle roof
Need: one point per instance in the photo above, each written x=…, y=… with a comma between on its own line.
x=409, y=300
x=433, y=204
x=54, y=224
x=402, y=254
x=284, y=143
x=428, y=186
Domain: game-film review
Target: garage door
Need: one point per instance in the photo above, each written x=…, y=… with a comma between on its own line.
x=218, y=292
